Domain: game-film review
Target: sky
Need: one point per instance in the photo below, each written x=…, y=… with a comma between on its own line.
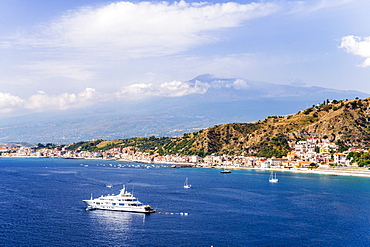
x=66, y=54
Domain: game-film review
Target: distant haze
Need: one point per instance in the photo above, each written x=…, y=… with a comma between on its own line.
x=224, y=101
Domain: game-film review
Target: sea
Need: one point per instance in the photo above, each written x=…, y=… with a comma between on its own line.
x=41, y=205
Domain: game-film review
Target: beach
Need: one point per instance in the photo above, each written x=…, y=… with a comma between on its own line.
x=337, y=171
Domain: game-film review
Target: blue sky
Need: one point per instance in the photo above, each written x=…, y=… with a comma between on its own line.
x=59, y=55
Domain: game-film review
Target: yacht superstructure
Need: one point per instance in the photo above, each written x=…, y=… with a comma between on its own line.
x=124, y=201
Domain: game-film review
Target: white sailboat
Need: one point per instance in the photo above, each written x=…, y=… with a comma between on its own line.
x=273, y=178
x=225, y=170
x=186, y=184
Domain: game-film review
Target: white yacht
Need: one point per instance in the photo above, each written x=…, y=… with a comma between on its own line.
x=124, y=201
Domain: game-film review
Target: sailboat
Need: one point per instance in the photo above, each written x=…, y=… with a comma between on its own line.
x=186, y=184
x=273, y=178
x=225, y=170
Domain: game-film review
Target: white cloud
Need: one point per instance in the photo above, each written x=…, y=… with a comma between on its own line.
x=143, y=28
x=64, y=101
x=178, y=89
x=366, y=63
x=166, y=89
x=9, y=102
x=141, y=90
x=240, y=84
x=42, y=102
x=357, y=46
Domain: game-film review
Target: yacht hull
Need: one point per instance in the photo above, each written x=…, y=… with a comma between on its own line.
x=91, y=205
x=124, y=202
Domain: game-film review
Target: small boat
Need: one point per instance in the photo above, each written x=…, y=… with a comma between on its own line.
x=273, y=178
x=186, y=184
x=124, y=201
x=225, y=170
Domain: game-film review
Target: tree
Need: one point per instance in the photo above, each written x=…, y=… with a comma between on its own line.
x=341, y=146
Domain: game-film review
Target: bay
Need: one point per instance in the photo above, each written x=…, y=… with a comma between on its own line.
x=41, y=205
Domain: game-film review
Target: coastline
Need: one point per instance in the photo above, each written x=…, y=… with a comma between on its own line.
x=337, y=171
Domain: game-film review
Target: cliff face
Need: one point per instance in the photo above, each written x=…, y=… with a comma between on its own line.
x=345, y=122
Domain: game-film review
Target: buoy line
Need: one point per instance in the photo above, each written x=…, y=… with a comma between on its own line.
x=185, y=214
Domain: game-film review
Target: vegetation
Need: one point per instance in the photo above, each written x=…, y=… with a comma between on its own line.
x=276, y=147
x=341, y=146
x=148, y=144
x=48, y=146
x=361, y=158
x=345, y=122
x=84, y=146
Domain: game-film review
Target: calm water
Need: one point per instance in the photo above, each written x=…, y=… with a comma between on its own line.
x=41, y=205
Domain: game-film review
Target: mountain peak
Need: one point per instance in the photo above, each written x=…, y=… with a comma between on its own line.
x=204, y=78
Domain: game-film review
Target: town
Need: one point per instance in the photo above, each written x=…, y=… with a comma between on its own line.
x=311, y=154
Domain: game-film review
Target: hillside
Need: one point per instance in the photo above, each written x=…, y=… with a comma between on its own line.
x=16, y=144
x=345, y=122
x=145, y=144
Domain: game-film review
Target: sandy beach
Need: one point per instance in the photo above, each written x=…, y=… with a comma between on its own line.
x=337, y=171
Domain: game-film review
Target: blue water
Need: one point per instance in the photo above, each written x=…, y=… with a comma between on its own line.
x=41, y=205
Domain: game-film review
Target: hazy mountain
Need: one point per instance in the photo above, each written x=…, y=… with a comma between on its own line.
x=15, y=145
x=225, y=101
x=344, y=122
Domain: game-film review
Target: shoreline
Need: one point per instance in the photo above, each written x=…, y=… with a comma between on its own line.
x=338, y=171
x=328, y=171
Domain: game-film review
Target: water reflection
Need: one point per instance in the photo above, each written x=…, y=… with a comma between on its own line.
x=113, y=220
x=112, y=227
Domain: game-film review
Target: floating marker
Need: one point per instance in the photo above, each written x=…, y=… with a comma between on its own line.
x=173, y=213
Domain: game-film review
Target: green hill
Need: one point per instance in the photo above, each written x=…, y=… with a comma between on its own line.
x=147, y=144
x=345, y=122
